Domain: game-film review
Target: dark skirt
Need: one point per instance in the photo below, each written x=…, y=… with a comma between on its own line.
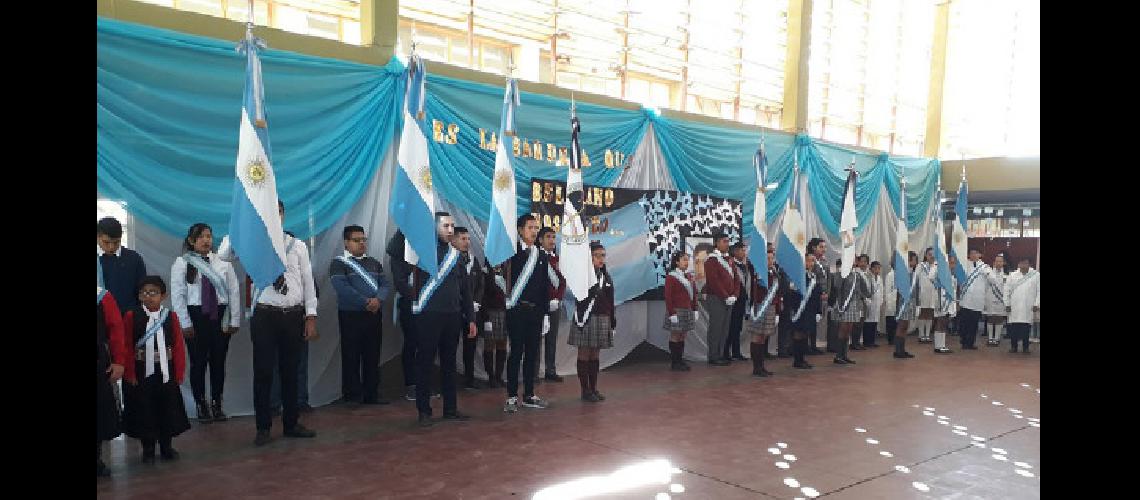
x=766, y=325
x=596, y=333
x=153, y=409
x=498, y=319
x=107, y=408
x=685, y=321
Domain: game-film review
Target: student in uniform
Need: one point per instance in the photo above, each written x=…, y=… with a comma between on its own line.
x=594, y=323
x=112, y=357
x=153, y=411
x=906, y=307
x=874, y=303
x=973, y=300
x=1022, y=298
x=529, y=299
x=681, y=308
x=546, y=239
x=995, y=301
x=205, y=293
x=927, y=296
x=461, y=240
x=945, y=309
x=722, y=285
x=805, y=309
x=890, y=306
x=818, y=248
x=747, y=275
x=763, y=315
x=492, y=317
x=850, y=307
x=361, y=290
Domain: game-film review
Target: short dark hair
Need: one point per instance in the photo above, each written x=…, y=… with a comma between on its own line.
x=716, y=237
x=876, y=264
x=441, y=214
x=348, y=230
x=152, y=280
x=109, y=226
x=523, y=219
x=542, y=232
x=735, y=246
x=675, y=259
x=460, y=230
x=814, y=242
x=596, y=245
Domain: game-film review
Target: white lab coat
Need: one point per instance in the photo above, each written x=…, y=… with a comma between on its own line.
x=994, y=302
x=974, y=297
x=875, y=303
x=1020, y=297
x=927, y=294
x=890, y=294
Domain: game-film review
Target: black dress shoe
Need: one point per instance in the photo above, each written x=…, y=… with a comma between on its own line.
x=204, y=415
x=900, y=355
x=377, y=401
x=456, y=416
x=907, y=354
x=170, y=454
x=802, y=366
x=553, y=377
x=849, y=361
x=739, y=357
x=839, y=361
x=590, y=397
x=600, y=396
x=857, y=347
x=262, y=438
x=761, y=373
x=425, y=420
x=720, y=362
x=216, y=409
x=300, y=431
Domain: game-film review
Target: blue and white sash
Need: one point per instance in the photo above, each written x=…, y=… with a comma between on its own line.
x=204, y=267
x=160, y=344
x=910, y=293
x=758, y=314
x=847, y=301
x=581, y=322
x=1024, y=279
x=524, y=277
x=724, y=263
x=358, y=269
x=257, y=293
x=973, y=276
x=100, y=290
x=804, y=301
x=997, y=291
x=433, y=284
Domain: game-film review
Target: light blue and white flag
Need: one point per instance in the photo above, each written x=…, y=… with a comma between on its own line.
x=255, y=223
x=959, y=245
x=902, y=252
x=792, y=245
x=942, y=271
x=502, y=236
x=847, y=224
x=413, y=198
x=757, y=242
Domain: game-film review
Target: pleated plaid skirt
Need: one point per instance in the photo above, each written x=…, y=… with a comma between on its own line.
x=853, y=314
x=685, y=322
x=595, y=333
x=498, y=319
x=907, y=314
x=766, y=325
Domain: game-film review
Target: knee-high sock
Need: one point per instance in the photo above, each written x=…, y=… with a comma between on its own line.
x=757, y=353
x=899, y=344
x=939, y=339
x=924, y=326
x=675, y=352
x=584, y=375
x=489, y=364
x=500, y=363
x=595, y=367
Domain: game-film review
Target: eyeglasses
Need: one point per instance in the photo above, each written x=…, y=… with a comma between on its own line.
x=358, y=240
x=150, y=293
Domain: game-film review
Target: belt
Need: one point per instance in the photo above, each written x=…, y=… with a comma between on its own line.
x=527, y=304
x=280, y=309
x=140, y=355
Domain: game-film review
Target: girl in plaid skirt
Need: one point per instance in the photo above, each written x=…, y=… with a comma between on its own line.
x=681, y=307
x=763, y=314
x=493, y=316
x=850, y=308
x=904, y=315
x=593, y=328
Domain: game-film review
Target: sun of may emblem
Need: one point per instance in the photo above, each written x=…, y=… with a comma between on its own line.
x=800, y=239
x=503, y=180
x=425, y=177
x=958, y=237
x=256, y=171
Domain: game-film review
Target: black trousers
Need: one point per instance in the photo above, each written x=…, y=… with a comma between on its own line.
x=468, y=355
x=277, y=339
x=1018, y=331
x=524, y=328
x=784, y=334
x=436, y=332
x=359, y=354
x=550, y=345
x=207, y=349
x=892, y=325
x=869, y=333
x=408, y=327
x=968, y=326
x=735, y=324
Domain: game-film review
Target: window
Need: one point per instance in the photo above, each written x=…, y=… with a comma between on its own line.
x=869, y=73
x=992, y=94
x=333, y=19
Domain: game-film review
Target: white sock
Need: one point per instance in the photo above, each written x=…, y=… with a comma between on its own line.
x=773, y=345
x=939, y=340
x=923, y=328
x=992, y=331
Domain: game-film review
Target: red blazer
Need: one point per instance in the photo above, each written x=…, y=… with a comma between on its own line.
x=718, y=281
x=114, y=320
x=676, y=297
x=760, y=293
x=560, y=291
x=178, y=349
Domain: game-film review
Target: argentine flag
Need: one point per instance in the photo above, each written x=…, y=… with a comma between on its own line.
x=757, y=242
x=959, y=243
x=902, y=252
x=792, y=245
x=413, y=200
x=502, y=237
x=942, y=273
x=255, y=224
x=847, y=224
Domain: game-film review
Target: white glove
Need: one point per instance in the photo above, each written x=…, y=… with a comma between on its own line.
x=730, y=301
x=696, y=315
x=476, y=304
x=673, y=319
x=487, y=326
x=545, y=324
x=777, y=319
x=554, y=303
x=817, y=318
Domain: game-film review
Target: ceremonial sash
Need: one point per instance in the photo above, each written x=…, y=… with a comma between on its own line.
x=433, y=284
x=257, y=293
x=676, y=273
x=1017, y=285
x=847, y=301
x=581, y=322
x=151, y=331
x=804, y=301
x=757, y=314
x=973, y=276
x=524, y=277
x=358, y=269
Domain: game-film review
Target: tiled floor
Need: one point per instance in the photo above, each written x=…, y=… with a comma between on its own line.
x=716, y=425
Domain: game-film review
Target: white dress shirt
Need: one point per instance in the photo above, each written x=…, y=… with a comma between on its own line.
x=298, y=277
